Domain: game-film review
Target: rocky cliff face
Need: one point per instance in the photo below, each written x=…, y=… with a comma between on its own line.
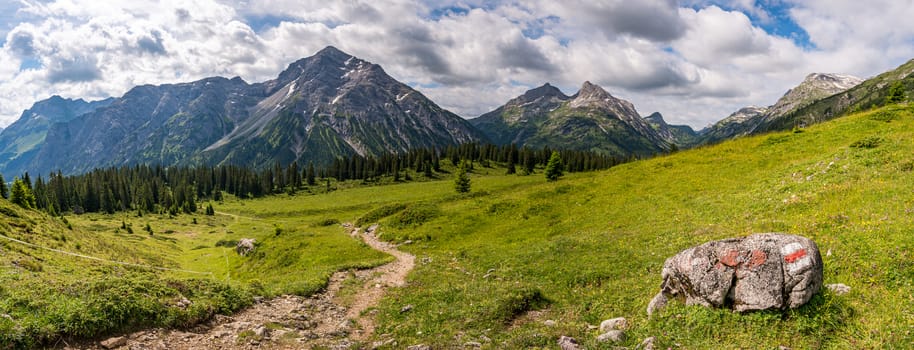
x=321, y=107
x=749, y=120
x=592, y=119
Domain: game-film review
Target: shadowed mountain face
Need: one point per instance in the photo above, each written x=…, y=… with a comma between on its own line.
x=321, y=107
x=20, y=141
x=590, y=120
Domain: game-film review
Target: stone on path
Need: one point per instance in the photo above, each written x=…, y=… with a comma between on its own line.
x=114, y=343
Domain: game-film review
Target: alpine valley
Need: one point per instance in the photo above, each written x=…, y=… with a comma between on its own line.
x=456, y=240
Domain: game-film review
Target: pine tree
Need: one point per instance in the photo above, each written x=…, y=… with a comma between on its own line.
x=209, y=209
x=21, y=195
x=461, y=179
x=4, y=192
x=554, y=168
x=309, y=174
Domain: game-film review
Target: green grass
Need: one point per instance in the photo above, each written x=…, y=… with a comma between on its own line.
x=580, y=250
x=593, y=244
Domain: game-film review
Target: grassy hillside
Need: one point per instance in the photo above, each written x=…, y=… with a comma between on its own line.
x=74, y=276
x=591, y=246
x=494, y=264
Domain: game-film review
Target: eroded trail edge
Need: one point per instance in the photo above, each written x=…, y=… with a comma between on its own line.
x=337, y=318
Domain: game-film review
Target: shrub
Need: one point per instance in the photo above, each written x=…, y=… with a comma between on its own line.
x=867, y=142
x=327, y=222
x=228, y=243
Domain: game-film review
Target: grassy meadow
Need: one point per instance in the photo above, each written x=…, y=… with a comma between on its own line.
x=493, y=264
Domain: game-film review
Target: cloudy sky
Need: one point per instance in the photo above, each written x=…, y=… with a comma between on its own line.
x=694, y=61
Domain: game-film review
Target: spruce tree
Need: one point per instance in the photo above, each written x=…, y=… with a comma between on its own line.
x=554, y=167
x=4, y=192
x=309, y=174
x=461, y=179
x=21, y=195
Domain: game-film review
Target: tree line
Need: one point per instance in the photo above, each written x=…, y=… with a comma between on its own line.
x=158, y=189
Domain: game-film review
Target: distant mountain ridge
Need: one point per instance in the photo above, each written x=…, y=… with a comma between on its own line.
x=321, y=107
x=20, y=141
x=592, y=119
x=752, y=119
x=865, y=95
x=683, y=136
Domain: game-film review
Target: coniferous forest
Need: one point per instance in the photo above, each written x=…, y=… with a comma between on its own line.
x=173, y=190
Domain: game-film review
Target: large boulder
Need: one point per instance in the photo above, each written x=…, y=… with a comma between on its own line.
x=758, y=272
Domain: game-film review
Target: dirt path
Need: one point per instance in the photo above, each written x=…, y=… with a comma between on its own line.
x=324, y=320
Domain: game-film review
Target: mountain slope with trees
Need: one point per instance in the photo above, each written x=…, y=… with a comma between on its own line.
x=890, y=87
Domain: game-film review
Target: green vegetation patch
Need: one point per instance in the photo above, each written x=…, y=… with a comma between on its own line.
x=415, y=214
x=380, y=213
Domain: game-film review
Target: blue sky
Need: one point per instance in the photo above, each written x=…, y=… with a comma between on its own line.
x=695, y=61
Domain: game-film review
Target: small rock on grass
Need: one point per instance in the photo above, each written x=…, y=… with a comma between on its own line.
x=568, y=343
x=617, y=323
x=839, y=288
x=647, y=344
x=419, y=347
x=549, y=323
x=614, y=336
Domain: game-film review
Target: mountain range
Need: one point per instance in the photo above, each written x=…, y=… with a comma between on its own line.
x=753, y=119
x=321, y=107
x=333, y=104
x=591, y=119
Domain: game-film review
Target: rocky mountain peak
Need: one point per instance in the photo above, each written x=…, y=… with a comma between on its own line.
x=814, y=87
x=836, y=81
x=679, y=135
x=546, y=90
x=592, y=91
x=594, y=96
x=656, y=118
